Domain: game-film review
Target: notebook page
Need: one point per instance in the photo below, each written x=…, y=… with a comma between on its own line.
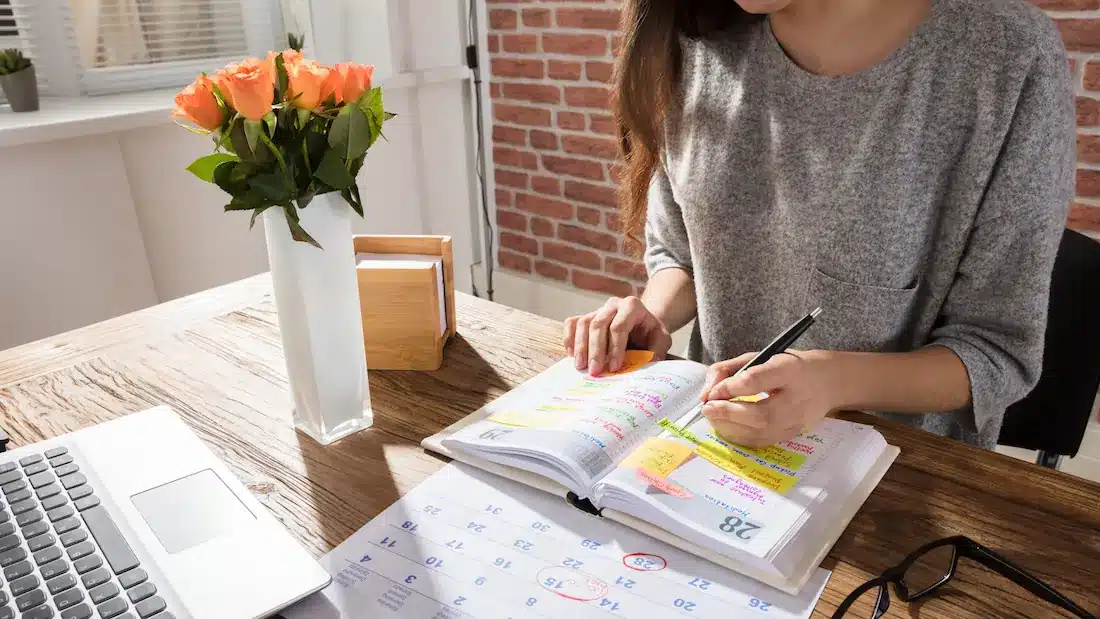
x=586, y=423
x=465, y=543
x=739, y=502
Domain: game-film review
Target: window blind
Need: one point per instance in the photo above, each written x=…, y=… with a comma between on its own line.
x=108, y=46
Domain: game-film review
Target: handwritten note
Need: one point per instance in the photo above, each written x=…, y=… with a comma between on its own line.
x=658, y=456
x=733, y=462
x=664, y=485
x=777, y=455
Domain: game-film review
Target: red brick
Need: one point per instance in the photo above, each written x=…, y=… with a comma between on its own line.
x=590, y=238
x=570, y=255
x=602, y=124
x=575, y=44
x=542, y=227
x=627, y=269
x=1088, y=148
x=587, y=96
x=503, y=19
x=614, y=172
x=551, y=270
x=519, y=242
x=519, y=43
x=511, y=179
x=546, y=185
x=535, y=93
x=611, y=222
x=1067, y=5
x=1084, y=217
x=604, y=148
x=595, y=19
x=600, y=283
x=592, y=194
x=536, y=18
x=513, y=67
x=1092, y=76
x=573, y=167
x=571, y=120
x=494, y=43
x=521, y=115
x=589, y=216
x=516, y=262
x=511, y=220
x=1088, y=112
x=544, y=140
x=1080, y=35
x=515, y=158
x=494, y=90
x=544, y=206
x=509, y=135
x=563, y=70
x=598, y=71
x=504, y=197
x=1088, y=183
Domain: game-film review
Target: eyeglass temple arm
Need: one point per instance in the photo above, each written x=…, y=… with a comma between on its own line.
x=1010, y=570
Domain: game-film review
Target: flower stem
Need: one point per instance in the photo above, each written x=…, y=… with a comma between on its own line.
x=275, y=151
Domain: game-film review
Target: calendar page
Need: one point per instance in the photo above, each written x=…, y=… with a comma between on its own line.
x=466, y=543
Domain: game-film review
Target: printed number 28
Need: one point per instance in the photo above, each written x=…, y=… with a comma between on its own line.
x=742, y=529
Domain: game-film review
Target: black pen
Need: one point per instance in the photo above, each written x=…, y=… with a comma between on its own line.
x=778, y=345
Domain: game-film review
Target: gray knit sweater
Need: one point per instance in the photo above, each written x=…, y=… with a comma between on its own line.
x=919, y=202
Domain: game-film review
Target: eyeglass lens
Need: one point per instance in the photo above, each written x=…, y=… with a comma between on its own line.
x=929, y=571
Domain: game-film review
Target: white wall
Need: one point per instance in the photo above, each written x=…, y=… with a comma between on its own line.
x=96, y=226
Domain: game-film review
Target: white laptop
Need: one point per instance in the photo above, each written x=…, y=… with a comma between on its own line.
x=136, y=518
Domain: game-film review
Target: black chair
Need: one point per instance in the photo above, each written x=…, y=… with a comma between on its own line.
x=1053, y=417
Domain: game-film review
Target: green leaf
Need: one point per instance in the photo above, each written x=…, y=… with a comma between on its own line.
x=203, y=167
x=331, y=171
x=252, y=130
x=274, y=187
x=270, y=121
x=371, y=105
x=390, y=115
x=350, y=134
x=356, y=165
x=256, y=214
x=303, y=117
x=244, y=202
x=351, y=196
x=282, y=79
x=296, y=231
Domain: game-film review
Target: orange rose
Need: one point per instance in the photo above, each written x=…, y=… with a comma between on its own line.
x=289, y=56
x=198, y=104
x=352, y=81
x=308, y=84
x=250, y=87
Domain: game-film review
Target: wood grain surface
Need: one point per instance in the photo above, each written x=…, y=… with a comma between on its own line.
x=215, y=357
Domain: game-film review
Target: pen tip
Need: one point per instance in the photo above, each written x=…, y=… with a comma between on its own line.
x=814, y=313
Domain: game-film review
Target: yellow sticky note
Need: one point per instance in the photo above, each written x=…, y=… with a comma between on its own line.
x=775, y=454
x=658, y=456
x=632, y=360
x=529, y=418
x=746, y=468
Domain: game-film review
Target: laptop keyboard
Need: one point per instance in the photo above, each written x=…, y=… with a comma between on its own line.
x=60, y=551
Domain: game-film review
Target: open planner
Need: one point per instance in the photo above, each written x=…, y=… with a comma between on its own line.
x=616, y=445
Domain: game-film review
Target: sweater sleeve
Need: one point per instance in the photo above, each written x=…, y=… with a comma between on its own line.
x=994, y=316
x=665, y=234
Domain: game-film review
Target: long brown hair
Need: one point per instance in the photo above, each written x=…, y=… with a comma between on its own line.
x=647, y=75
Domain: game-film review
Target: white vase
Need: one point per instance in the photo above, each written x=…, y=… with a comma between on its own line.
x=317, y=300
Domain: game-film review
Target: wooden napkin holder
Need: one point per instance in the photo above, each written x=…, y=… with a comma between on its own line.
x=400, y=306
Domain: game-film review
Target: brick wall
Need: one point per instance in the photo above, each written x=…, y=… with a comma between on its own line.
x=554, y=141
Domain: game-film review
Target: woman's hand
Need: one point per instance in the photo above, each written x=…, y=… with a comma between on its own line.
x=598, y=340
x=801, y=388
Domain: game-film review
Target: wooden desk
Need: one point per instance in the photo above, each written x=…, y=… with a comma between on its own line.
x=215, y=357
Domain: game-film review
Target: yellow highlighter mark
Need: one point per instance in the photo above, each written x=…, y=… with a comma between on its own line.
x=632, y=360
x=658, y=456
x=744, y=467
x=777, y=455
x=529, y=418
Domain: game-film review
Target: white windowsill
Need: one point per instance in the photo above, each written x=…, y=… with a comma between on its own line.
x=60, y=119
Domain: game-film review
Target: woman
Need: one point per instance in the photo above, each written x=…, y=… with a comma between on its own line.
x=904, y=164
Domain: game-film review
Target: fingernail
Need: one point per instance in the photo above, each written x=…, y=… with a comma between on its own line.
x=578, y=360
x=593, y=367
x=616, y=365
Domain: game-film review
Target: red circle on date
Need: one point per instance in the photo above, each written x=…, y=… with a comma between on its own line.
x=571, y=584
x=644, y=562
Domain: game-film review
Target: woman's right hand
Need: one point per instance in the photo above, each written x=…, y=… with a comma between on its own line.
x=598, y=340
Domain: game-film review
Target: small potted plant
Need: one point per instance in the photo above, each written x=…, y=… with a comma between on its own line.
x=18, y=81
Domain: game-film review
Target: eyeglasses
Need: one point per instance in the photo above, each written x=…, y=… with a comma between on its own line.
x=930, y=567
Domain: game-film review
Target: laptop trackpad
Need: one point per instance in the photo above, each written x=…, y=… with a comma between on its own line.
x=191, y=510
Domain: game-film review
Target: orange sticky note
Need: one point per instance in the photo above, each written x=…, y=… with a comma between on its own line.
x=632, y=360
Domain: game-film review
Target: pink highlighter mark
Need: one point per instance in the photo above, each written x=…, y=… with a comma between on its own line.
x=644, y=562
x=663, y=484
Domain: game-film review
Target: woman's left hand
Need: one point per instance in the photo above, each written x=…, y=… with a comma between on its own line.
x=801, y=389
